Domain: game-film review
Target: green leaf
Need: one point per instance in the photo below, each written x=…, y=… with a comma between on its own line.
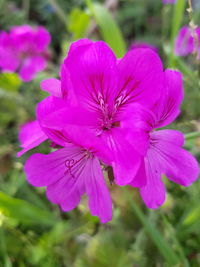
x=165, y=249
x=78, y=23
x=23, y=211
x=192, y=217
x=177, y=18
x=108, y=27
x=192, y=135
x=10, y=82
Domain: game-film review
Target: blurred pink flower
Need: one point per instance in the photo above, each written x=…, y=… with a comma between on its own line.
x=169, y=1
x=165, y=154
x=185, y=42
x=24, y=50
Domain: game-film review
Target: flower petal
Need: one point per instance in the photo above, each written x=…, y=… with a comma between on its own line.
x=44, y=170
x=171, y=136
x=184, y=44
x=100, y=203
x=42, y=39
x=140, y=70
x=168, y=106
x=66, y=84
x=93, y=75
x=52, y=86
x=178, y=164
x=153, y=193
x=45, y=107
x=31, y=135
x=68, y=173
x=70, y=115
x=125, y=159
x=140, y=179
x=78, y=44
x=9, y=57
x=31, y=66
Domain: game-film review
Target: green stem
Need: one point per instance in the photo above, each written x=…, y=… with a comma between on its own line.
x=178, y=13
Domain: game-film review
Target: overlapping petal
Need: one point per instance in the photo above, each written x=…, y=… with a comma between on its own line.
x=125, y=159
x=167, y=107
x=30, y=136
x=153, y=193
x=178, y=164
x=52, y=86
x=93, y=75
x=140, y=78
x=45, y=107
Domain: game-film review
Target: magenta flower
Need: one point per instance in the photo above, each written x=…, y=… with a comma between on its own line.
x=165, y=154
x=105, y=111
x=169, y=2
x=24, y=50
x=185, y=42
x=107, y=91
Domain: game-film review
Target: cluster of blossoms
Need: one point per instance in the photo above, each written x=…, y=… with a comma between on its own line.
x=104, y=112
x=24, y=50
x=186, y=43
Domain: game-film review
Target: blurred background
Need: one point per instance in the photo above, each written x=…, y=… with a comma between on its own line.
x=34, y=232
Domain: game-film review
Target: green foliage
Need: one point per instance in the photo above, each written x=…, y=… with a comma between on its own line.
x=9, y=82
x=23, y=211
x=78, y=23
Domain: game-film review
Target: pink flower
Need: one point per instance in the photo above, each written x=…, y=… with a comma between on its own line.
x=165, y=154
x=169, y=1
x=135, y=45
x=185, y=42
x=105, y=110
x=96, y=93
x=24, y=50
x=108, y=91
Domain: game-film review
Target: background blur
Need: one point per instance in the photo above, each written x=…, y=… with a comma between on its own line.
x=33, y=232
